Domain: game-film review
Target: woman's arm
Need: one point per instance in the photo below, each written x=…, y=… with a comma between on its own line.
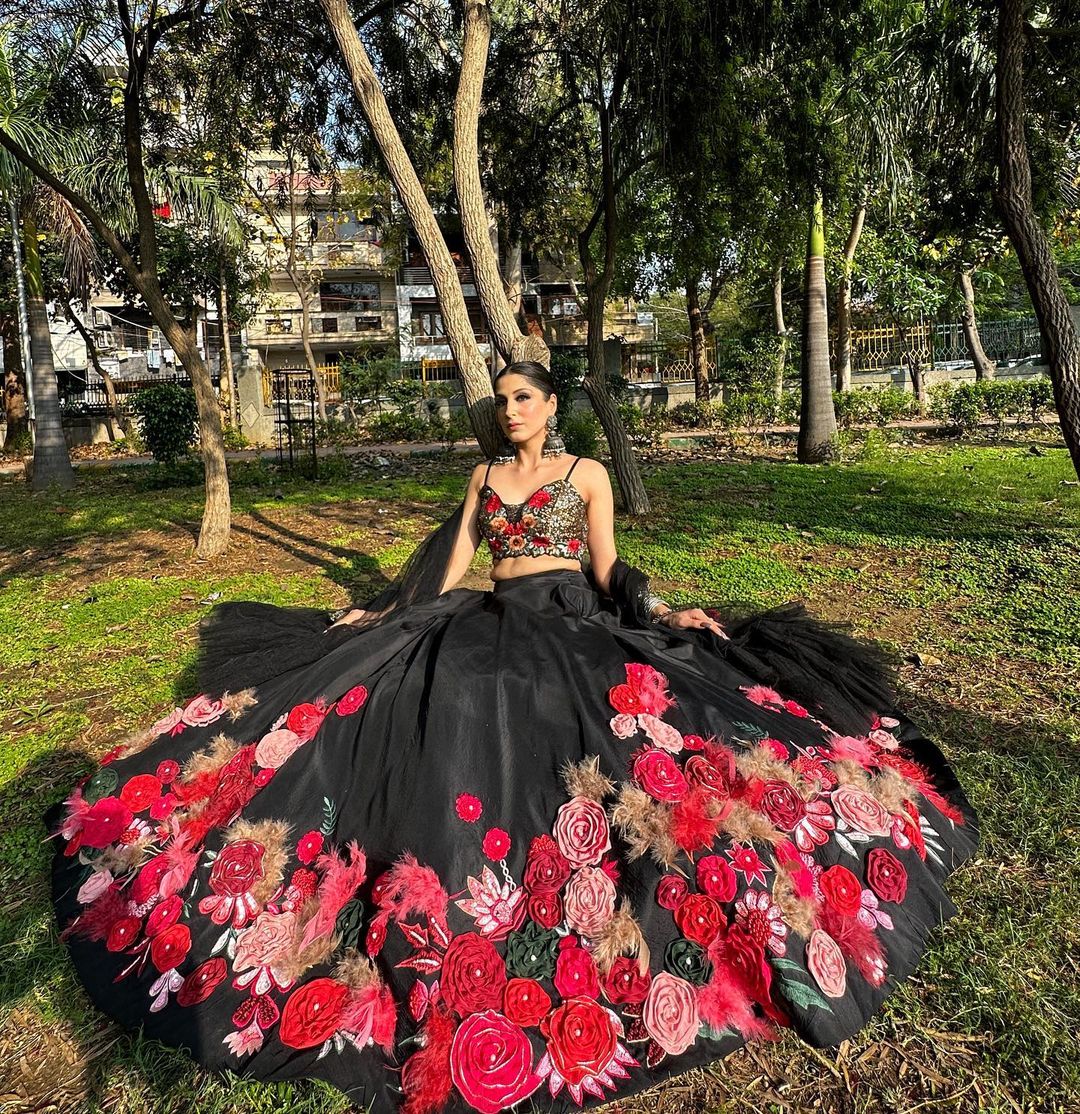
x=600, y=509
x=603, y=555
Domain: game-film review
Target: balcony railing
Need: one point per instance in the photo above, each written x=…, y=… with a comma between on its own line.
x=421, y=276
x=359, y=254
x=379, y=318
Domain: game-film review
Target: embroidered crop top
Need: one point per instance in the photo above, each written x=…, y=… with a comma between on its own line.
x=552, y=522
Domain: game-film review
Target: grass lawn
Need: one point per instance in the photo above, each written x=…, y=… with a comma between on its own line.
x=968, y=557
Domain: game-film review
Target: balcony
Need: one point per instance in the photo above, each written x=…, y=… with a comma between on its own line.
x=357, y=255
x=378, y=321
x=421, y=276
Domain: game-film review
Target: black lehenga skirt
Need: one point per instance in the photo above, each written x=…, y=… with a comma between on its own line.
x=505, y=848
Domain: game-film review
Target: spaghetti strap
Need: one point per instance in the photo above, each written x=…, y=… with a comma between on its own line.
x=488, y=472
x=572, y=467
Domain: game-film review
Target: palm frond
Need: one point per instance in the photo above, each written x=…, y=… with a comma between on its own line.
x=57, y=216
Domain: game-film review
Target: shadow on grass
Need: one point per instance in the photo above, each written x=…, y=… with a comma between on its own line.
x=1022, y=778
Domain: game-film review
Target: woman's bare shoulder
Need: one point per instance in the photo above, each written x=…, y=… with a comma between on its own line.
x=592, y=471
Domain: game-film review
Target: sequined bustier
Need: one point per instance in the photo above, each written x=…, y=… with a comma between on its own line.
x=552, y=522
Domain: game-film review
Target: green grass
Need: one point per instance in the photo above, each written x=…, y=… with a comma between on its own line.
x=971, y=555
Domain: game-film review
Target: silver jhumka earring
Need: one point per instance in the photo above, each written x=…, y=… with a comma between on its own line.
x=553, y=443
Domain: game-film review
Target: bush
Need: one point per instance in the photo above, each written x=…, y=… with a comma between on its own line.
x=1040, y=396
x=581, y=432
x=749, y=365
x=234, y=439
x=940, y=401
x=398, y=427
x=336, y=431
x=168, y=418
x=854, y=407
x=694, y=415
x=891, y=404
x=450, y=430
x=965, y=407
x=791, y=407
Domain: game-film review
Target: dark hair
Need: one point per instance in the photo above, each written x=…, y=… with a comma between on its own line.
x=536, y=373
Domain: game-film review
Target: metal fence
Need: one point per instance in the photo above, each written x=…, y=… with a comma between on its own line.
x=80, y=395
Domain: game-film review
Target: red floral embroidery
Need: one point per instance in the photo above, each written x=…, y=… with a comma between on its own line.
x=491, y=1062
x=581, y=1038
x=525, y=1002
x=886, y=875
x=575, y=971
x=625, y=983
x=468, y=807
x=352, y=701
x=310, y=847
x=473, y=975
x=312, y=1013
x=496, y=844
x=140, y=792
x=700, y=919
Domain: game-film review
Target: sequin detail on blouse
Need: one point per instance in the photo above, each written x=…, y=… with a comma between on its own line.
x=552, y=522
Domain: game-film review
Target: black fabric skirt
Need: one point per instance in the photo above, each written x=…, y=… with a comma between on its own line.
x=506, y=849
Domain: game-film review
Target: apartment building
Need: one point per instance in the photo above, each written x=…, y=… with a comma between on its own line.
x=323, y=250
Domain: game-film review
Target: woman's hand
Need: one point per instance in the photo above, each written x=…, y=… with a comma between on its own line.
x=691, y=618
x=348, y=617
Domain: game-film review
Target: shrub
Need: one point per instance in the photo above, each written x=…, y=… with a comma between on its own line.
x=940, y=395
x=1040, y=396
x=791, y=407
x=397, y=427
x=997, y=399
x=234, y=439
x=336, y=431
x=693, y=415
x=965, y=407
x=855, y=407
x=168, y=418
x=581, y=432
x=450, y=430
x=891, y=404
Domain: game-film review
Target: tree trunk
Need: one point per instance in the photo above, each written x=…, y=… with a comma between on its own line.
x=1061, y=344
x=817, y=420
x=227, y=374
x=111, y=409
x=781, y=328
x=51, y=463
x=214, y=533
x=16, y=419
x=217, y=515
x=475, y=380
x=506, y=336
x=624, y=462
x=984, y=366
x=699, y=358
x=309, y=352
x=843, y=301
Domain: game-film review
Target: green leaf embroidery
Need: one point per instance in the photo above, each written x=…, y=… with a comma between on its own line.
x=752, y=730
x=329, y=817
x=802, y=995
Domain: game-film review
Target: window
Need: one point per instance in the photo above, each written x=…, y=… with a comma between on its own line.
x=325, y=324
x=339, y=297
x=130, y=335
x=364, y=323
x=427, y=322
x=343, y=227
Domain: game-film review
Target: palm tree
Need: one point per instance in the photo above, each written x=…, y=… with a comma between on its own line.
x=100, y=171
x=51, y=464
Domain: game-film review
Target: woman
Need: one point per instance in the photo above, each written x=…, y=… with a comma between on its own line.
x=548, y=843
